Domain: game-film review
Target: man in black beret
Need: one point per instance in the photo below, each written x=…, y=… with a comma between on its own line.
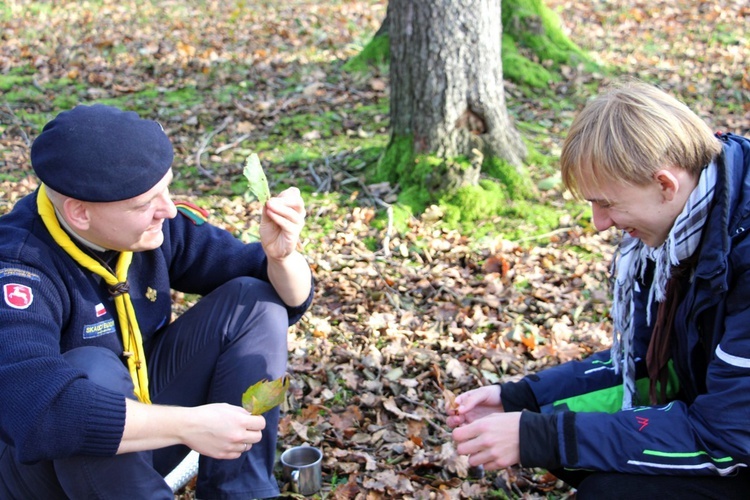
x=103, y=394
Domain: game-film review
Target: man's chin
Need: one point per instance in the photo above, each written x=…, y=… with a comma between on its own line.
x=149, y=243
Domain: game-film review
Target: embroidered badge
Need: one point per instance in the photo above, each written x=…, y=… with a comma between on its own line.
x=21, y=273
x=99, y=329
x=151, y=294
x=18, y=296
x=100, y=310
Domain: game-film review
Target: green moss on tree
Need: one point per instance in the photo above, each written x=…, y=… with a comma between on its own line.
x=520, y=69
x=376, y=53
x=397, y=159
x=421, y=177
x=534, y=26
x=529, y=26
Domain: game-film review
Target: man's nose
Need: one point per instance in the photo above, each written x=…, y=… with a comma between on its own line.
x=601, y=218
x=167, y=208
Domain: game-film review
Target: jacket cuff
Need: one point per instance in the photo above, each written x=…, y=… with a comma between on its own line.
x=538, y=441
x=105, y=423
x=517, y=396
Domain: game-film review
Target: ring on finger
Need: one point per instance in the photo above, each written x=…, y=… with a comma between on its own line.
x=244, y=450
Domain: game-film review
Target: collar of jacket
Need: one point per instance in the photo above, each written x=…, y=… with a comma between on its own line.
x=729, y=216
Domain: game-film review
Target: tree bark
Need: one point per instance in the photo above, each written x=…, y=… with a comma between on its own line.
x=447, y=80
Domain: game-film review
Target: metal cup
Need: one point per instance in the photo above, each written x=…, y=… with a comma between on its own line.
x=302, y=468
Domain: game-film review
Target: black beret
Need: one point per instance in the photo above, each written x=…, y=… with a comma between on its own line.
x=100, y=153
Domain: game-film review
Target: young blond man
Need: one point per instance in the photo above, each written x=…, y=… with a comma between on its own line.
x=664, y=413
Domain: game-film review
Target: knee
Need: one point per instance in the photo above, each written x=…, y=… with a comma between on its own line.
x=257, y=302
x=102, y=366
x=245, y=289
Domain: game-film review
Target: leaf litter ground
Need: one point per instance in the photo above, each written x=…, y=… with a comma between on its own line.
x=399, y=320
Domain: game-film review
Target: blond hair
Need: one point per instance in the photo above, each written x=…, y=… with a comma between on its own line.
x=629, y=133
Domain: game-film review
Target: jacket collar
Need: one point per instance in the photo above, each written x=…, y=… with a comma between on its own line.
x=729, y=215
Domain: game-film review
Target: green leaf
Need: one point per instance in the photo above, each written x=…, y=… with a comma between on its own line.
x=264, y=395
x=256, y=178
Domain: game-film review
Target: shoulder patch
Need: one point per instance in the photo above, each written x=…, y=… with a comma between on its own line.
x=17, y=296
x=193, y=212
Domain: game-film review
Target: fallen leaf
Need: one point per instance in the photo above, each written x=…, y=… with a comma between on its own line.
x=450, y=400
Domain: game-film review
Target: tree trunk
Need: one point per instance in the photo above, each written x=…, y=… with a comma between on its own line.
x=447, y=79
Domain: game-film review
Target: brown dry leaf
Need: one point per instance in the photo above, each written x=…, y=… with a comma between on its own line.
x=347, y=491
x=390, y=482
x=450, y=400
x=458, y=464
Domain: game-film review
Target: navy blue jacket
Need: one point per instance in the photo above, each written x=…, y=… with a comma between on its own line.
x=51, y=305
x=705, y=428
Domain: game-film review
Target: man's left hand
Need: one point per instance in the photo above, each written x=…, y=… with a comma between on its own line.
x=281, y=223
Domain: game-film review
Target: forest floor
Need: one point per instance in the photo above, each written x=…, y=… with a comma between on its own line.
x=398, y=315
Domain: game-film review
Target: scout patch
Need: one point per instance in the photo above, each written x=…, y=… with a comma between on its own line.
x=17, y=296
x=100, y=310
x=21, y=273
x=98, y=329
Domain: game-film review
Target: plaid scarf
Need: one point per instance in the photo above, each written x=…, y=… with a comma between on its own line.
x=629, y=265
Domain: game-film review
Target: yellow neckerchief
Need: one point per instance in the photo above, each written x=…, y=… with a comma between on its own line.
x=131, y=334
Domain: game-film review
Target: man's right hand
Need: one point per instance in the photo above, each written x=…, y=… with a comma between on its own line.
x=223, y=431
x=217, y=430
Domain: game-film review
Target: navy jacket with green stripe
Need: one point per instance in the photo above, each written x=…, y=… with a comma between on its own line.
x=576, y=421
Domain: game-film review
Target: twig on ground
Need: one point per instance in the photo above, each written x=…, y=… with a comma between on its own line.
x=206, y=140
x=232, y=144
x=16, y=122
x=323, y=185
x=389, y=211
x=433, y=410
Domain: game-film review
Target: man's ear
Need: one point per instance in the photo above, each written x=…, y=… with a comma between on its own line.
x=76, y=213
x=669, y=184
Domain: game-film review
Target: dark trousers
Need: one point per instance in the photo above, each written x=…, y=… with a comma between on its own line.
x=614, y=486
x=232, y=338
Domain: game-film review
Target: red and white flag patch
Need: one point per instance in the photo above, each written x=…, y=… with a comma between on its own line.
x=100, y=310
x=18, y=296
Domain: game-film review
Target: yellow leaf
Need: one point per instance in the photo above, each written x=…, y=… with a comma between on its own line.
x=264, y=395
